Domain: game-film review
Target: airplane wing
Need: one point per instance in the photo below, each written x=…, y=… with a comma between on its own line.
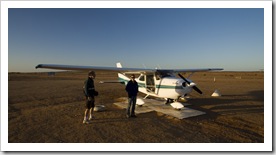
x=128, y=70
x=88, y=68
x=197, y=70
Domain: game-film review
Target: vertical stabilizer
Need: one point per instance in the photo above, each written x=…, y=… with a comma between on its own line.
x=118, y=64
x=122, y=77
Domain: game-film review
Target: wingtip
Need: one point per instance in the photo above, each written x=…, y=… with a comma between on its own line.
x=38, y=66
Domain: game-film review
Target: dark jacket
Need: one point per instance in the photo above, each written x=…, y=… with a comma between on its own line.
x=132, y=88
x=89, y=88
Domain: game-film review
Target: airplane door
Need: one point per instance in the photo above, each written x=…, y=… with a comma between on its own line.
x=150, y=85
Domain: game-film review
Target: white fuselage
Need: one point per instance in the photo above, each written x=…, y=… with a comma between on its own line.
x=152, y=84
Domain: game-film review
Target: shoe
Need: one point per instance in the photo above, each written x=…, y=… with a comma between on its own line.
x=133, y=116
x=90, y=119
x=127, y=116
x=86, y=122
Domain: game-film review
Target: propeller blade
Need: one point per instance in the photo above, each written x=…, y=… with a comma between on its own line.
x=184, y=78
x=196, y=89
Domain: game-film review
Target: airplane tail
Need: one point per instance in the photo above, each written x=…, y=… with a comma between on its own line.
x=119, y=65
x=122, y=77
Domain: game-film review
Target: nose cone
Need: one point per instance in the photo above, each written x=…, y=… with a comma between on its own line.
x=192, y=84
x=189, y=86
x=185, y=84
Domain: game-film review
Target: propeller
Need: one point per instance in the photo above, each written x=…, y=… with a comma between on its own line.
x=194, y=87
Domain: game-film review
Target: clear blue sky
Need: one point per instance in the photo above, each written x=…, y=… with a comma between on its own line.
x=232, y=39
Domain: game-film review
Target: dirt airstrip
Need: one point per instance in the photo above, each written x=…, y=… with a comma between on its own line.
x=49, y=109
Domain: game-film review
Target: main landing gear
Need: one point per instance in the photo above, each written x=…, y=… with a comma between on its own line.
x=169, y=100
x=175, y=104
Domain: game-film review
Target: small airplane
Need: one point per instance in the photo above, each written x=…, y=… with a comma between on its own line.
x=160, y=83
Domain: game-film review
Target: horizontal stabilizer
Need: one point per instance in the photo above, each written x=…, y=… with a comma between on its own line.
x=115, y=81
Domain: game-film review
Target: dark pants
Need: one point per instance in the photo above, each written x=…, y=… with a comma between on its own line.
x=131, y=105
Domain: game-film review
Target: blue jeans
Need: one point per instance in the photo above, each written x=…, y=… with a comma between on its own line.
x=131, y=106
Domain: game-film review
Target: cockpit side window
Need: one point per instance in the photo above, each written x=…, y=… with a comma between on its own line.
x=158, y=76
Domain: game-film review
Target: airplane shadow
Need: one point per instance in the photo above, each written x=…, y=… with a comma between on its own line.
x=226, y=105
x=122, y=118
x=253, y=102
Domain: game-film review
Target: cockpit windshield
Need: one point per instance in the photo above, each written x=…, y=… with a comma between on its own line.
x=162, y=74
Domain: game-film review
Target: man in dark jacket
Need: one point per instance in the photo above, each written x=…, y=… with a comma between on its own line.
x=90, y=92
x=132, y=90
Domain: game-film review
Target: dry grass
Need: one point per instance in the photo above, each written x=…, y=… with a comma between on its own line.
x=46, y=109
